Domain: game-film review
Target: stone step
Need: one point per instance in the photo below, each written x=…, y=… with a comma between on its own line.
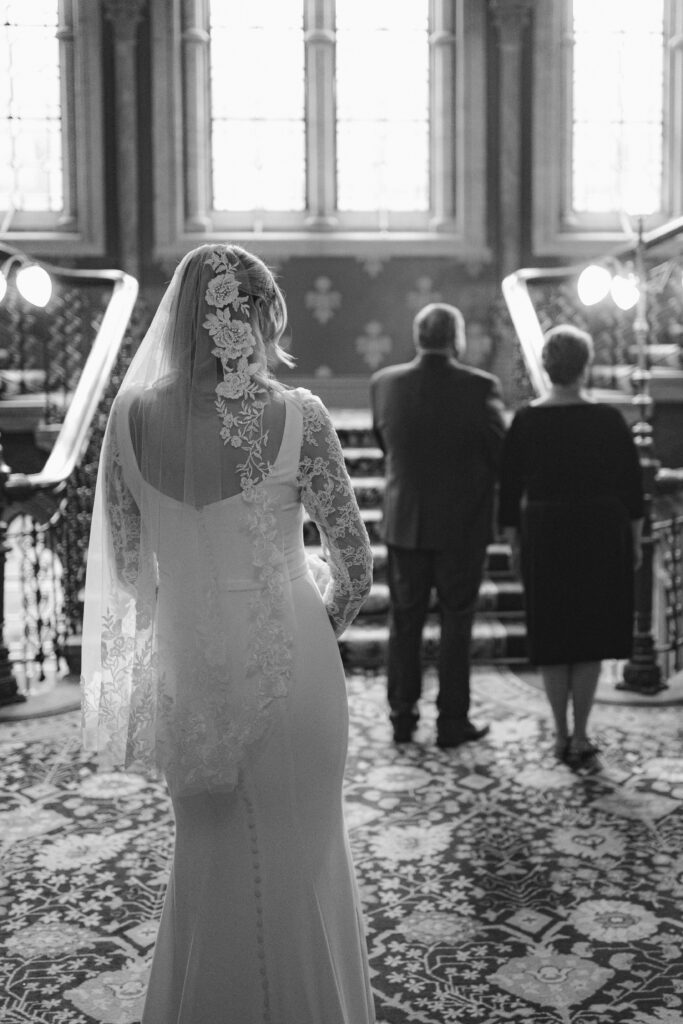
x=372, y=517
x=666, y=374
x=496, y=566
x=369, y=490
x=364, y=461
x=497, y=598
x=356, y=437
x=354, y=427
x=352, y=420
x=499, y=633
x=365, y=645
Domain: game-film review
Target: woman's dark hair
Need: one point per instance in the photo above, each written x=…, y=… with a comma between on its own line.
x=567, y=351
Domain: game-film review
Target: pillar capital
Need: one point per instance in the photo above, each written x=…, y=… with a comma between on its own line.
x=125, y=16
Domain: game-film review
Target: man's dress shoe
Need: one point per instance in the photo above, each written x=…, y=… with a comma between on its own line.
x=404, y=726
x=453, y=734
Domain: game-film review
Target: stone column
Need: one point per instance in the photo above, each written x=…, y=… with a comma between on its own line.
x=319, y=39
x=125, y=16
x=442, y=42
x=65, y=36
x=642, y=672
x=197, y=128
x=510, y=18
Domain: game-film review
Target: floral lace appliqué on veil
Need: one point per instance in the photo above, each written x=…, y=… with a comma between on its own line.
x=205, y=742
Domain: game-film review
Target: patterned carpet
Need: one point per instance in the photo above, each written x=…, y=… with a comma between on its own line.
x=498, y=885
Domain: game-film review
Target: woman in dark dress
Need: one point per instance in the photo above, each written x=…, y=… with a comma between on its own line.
x=571, y=504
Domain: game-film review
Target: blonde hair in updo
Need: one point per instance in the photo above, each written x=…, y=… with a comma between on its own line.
x=567, y=351
x=269, y=310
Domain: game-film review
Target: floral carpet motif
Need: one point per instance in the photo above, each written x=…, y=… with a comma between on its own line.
x=498, y=886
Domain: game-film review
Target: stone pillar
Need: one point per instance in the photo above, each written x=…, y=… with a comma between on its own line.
x=442, y=43
x=125, y=16
x=642, y=673
x=197, y=128
x=510, y=18
x=319, y=39
x=65, y=37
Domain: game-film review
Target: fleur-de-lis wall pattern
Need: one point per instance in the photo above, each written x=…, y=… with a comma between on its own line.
x=372, y=266
x=374, y=346
x=322, y=300
x=350, y=315
x=422, y=294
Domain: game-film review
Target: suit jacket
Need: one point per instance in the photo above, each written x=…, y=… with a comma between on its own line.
x=440, y=425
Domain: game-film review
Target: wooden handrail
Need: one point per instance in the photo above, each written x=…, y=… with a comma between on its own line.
x=75, y=429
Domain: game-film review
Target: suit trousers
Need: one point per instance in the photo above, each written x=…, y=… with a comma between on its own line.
x=411, y=575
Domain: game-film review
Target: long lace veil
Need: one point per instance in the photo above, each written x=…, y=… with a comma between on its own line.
x=192, y=427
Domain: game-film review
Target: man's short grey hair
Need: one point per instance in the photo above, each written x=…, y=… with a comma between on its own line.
x=439, y=326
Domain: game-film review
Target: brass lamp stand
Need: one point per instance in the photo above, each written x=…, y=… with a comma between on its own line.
x=642, y=673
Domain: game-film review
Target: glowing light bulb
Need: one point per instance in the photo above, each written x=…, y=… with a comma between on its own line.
x=593, y=284
x=35, y=285
x=625, y=291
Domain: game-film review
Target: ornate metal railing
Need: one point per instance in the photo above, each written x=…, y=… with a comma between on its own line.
x=62, y=366
x=668, y=595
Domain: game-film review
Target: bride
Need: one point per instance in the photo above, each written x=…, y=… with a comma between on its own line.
x=210, y=653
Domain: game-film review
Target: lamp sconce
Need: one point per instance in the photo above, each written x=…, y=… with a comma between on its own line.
x=623, y=281
x=33, y=282
x=597, y=281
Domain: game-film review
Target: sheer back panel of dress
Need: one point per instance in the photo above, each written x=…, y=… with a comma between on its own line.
x=187, y=630
x=173, y=415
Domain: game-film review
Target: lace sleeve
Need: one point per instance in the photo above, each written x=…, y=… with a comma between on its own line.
x=124, y=515
x=329, y=500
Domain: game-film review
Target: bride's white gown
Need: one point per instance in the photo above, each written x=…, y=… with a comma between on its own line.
x=261, y=922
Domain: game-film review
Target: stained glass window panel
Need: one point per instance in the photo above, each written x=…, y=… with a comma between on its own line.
x=30, y=113
x=257, y=105
x=382, y=88
x=618, y=96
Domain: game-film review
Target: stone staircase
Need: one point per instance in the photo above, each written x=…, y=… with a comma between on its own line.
x=499, y=634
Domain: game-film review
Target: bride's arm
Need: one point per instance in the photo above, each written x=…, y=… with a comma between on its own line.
x=122, y=510
x=328, y=498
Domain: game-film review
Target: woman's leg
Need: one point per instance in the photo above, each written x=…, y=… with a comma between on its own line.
x=556, y=682
x=584, y=677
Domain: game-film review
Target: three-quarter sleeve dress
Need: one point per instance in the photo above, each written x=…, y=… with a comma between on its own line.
x=571, y=484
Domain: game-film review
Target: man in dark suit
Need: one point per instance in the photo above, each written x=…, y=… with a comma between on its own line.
x=440, y=425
